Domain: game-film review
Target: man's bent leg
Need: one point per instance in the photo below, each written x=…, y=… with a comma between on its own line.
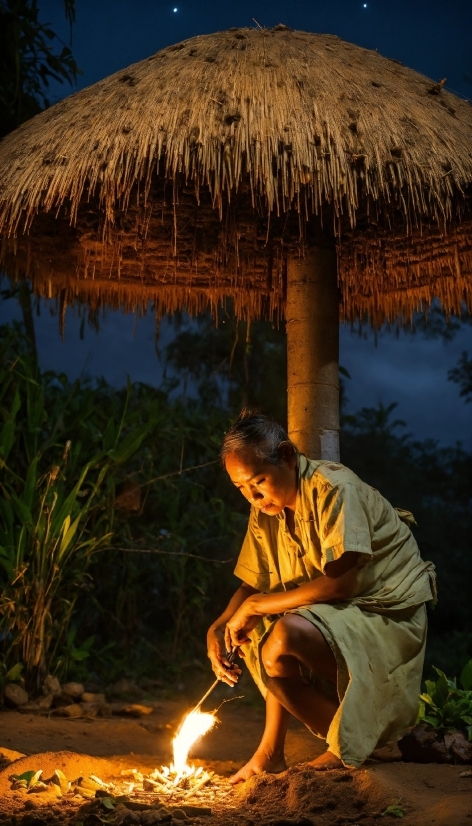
x=294, y=641
x=269, y=756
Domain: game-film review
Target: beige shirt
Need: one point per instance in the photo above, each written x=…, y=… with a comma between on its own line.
x=337, y=512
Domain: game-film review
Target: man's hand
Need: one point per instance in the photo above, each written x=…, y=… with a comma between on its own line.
x=243, y=621
x=222, y=669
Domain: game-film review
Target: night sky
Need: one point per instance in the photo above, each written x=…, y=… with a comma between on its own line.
x=434, y=38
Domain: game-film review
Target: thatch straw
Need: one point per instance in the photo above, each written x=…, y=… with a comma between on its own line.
x=244, y=125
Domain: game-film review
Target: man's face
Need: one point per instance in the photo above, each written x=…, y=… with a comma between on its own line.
x=268, y=487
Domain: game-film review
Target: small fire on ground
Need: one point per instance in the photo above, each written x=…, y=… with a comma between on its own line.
x=180, y=780
x=178, y=783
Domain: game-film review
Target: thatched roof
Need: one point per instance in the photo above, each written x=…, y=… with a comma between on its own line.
x=190, y=176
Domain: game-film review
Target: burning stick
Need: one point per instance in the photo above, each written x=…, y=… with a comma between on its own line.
x=194, y=726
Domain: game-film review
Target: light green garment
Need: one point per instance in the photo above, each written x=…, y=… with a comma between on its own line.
x=378, y=636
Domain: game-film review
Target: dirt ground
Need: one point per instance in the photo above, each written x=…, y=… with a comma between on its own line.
x=426, y=794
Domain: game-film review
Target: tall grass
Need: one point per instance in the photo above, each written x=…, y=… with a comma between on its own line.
x=56, y=509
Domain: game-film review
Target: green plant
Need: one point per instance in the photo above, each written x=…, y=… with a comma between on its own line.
x=29, y=61
x=395, y=810
x=55, y=512
x=444, y=705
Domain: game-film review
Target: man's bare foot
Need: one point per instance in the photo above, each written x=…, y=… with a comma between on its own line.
x=325, y=762
x=258, y=764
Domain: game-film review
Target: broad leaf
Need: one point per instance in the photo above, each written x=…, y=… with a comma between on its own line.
x=130, y=444
x=14, y=673
x=466, y=676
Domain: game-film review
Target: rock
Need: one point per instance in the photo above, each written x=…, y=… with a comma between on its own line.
x=105, y=710
x=74, y=690
x=89, y=697
x=15, y=695
x=131, y=818
x=90, y=709
x=45, y=702
x=52, y=686
x=460, y=747
x=124, y=817
x=423, y=744
x=74, y=710
x=154, y=817
x=30, y=708
x=136, y=710
x=127, y=690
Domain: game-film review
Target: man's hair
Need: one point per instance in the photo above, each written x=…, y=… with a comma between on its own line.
x=254, y=431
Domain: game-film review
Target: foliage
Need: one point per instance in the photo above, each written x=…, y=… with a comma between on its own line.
x=29, y=60
x=169, y=567
x=462, y=375
x=444, y=705
x=140, y=606
x=395, y=810
x=55, y=512
x=72, y=598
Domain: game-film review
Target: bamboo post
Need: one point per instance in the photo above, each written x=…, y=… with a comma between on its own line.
x=312, y=317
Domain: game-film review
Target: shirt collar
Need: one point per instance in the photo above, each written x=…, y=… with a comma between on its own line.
x=303, y=472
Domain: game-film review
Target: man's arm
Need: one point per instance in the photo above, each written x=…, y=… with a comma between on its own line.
x=215, y=636
x=337, y=585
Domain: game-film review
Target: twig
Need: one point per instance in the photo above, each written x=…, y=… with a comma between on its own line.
x=258, y=24
x=228, y=700
x=176, y=472
x=171, y=553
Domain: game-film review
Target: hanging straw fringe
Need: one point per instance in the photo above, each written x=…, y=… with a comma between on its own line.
x=178, y=180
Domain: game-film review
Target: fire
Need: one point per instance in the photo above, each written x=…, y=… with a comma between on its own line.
x=194, y=726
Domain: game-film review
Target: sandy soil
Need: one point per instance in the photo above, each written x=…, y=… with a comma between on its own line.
x=428, y=794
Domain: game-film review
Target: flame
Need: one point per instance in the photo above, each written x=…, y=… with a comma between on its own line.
x=194, y=726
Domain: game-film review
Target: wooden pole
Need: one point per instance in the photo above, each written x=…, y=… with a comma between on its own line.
x=312, y=317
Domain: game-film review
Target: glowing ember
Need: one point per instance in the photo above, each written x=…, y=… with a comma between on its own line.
x=194, y=726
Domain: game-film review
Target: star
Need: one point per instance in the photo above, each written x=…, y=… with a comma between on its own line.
x=174, y=10
x=364, y=5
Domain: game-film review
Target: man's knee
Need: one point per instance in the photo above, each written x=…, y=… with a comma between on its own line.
x=281, y=643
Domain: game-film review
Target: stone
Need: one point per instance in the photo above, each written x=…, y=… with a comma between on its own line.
x=105, y=710
x=126, y=689
x=460, y=747
x=131, y=818
x=15, y=695
x=90, y=709
x=30, y=708
x=52, y=686
x=154, y=817
x=136, y=710
x=74, y=690
x=423, y=744
x=120, y=813
x=90, y=697
x=45, y=702
x=74, y=710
